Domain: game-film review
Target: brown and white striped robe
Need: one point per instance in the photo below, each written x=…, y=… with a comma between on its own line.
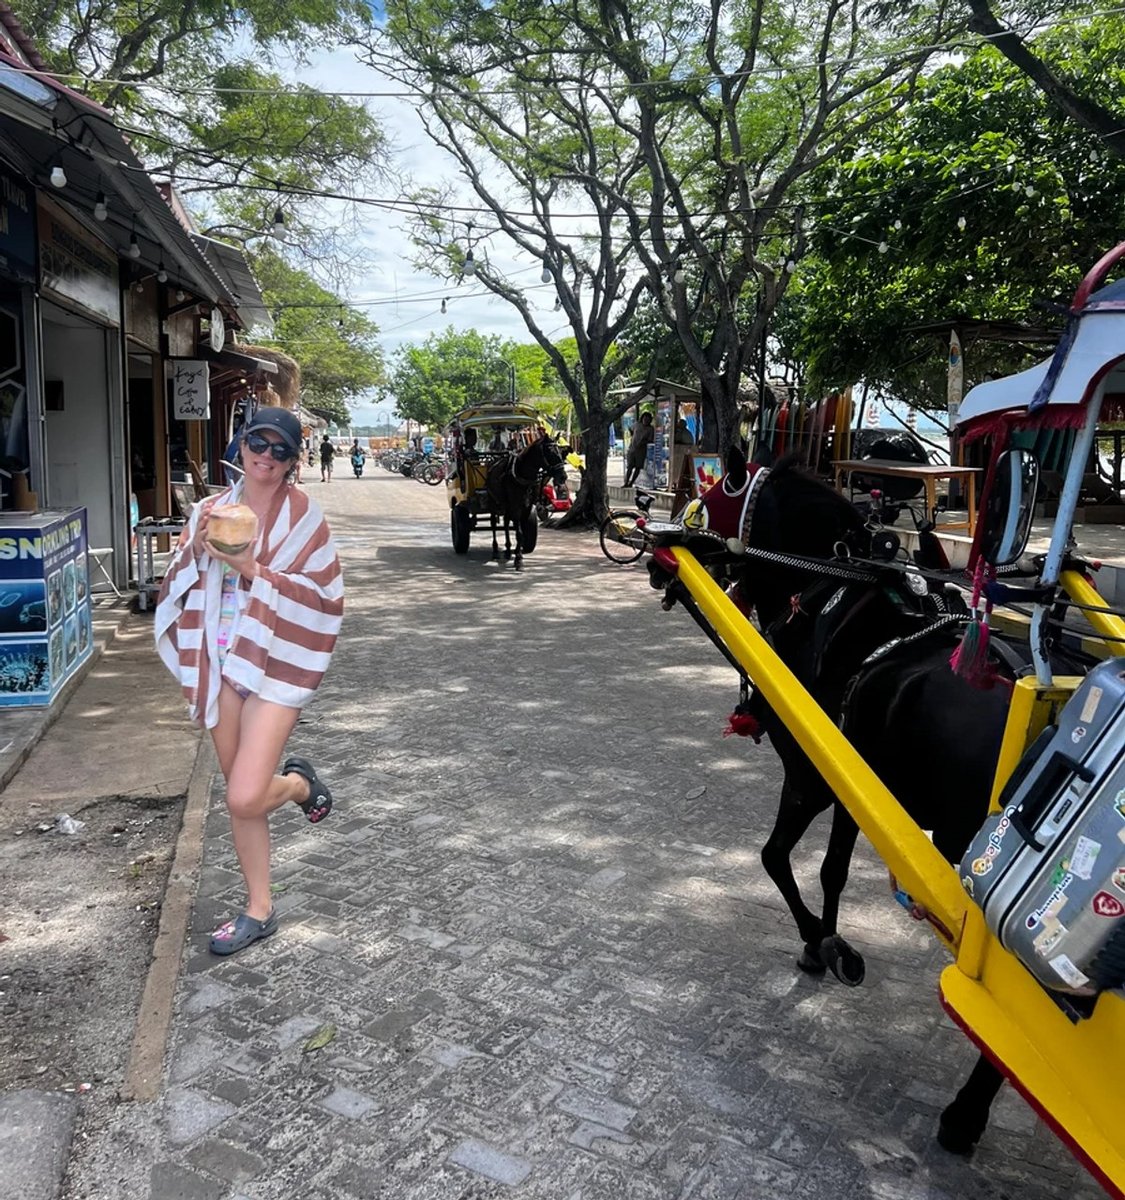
x=280, y=644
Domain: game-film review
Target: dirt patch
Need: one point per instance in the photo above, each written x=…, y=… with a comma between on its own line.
x=78, y=915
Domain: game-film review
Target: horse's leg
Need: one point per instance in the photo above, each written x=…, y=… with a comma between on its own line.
x=964, y=1120
x=495, y=543
x=519, y=542
x=507, y=535
x=794, y=816
x=843, y=961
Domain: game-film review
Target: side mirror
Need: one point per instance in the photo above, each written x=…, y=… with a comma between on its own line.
x=1008, y=510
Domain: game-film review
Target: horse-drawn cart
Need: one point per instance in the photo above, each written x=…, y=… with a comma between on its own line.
x=1066, y=1058
x=481, y=436
x=501, y=454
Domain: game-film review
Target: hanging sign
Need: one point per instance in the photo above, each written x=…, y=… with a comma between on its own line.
x=191, y=390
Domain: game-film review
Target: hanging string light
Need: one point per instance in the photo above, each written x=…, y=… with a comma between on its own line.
x=445, y=305
x=100, y=209
x=278, y=228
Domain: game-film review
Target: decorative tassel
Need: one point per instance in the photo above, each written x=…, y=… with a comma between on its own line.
x=970, y=659
x=743, y=723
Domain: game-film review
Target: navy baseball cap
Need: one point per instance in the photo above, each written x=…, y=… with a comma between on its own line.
x=281, y=421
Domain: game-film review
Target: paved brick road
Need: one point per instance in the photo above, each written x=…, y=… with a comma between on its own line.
x=538, y=921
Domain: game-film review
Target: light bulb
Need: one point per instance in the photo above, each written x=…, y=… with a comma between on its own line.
x=883, y=247
x=678, y=275
x=790, y=266
x=898, y=225
x=139, y=286
x=1029, y=191
x=444, y=307
x=1016, y=186
x=58, y=176
x=558, y=303
x=469, y=267
x=134, y=246
x=180, y=296
x=961, y=222
x=278, y=223
x=546, y=277
x=100, y=210
x=161, y=274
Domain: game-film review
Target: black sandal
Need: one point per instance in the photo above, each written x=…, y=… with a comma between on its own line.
x=319, y=803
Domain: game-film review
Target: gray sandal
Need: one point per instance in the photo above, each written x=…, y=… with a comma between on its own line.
x=319, y=803
x=243, y=931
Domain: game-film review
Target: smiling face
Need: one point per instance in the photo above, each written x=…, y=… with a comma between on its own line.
x=259, y=462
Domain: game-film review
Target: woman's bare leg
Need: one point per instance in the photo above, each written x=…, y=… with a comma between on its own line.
x=249, y=740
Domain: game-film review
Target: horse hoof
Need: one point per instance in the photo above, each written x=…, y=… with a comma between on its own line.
x=956, y=1137
x=844, y=962
x=810, y=961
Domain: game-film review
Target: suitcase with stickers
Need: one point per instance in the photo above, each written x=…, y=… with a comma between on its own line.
x=1048, y=871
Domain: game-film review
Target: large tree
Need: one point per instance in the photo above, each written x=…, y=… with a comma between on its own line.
x=450, y=370
x=553, y=174
x=981, y=206
x=237, y=138
x=1071, y=91
x=686, y=133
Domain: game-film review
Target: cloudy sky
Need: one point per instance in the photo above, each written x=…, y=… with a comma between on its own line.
x=405, y=302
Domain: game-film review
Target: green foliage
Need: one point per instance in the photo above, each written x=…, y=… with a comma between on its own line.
x=337, y=347
x=431, y=380
x=166, y=68
x=1039, y=198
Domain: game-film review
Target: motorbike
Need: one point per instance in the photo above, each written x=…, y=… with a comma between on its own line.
x=554, y=498
x=357, y=464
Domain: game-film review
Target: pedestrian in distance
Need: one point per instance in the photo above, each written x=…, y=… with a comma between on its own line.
x=249, y=630
x=643, y=436
x=327, y=454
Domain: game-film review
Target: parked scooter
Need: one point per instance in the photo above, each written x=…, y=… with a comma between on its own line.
x=554, y=498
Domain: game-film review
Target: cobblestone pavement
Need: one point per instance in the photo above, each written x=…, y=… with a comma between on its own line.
x=539, y=925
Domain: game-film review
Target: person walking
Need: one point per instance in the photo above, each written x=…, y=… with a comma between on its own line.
x=327, y=454
x=643, y=436
x=249, y=634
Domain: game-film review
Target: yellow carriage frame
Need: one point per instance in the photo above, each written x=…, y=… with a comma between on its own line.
x=1070, y=1073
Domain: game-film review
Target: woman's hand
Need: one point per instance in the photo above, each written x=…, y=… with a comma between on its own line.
x=199, y=542
x=243, y=562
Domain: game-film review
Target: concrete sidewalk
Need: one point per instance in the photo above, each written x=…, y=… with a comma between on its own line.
x=78, y=911
x=534, y=941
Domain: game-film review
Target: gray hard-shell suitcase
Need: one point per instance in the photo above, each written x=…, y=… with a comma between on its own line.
x=1049, y=870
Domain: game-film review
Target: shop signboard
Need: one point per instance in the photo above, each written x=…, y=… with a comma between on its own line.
x=17, y=228
x=45, y=615
x=76, y=268
x=191, y=389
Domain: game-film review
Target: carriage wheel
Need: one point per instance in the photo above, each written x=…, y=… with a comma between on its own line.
x=459, y=526
x=530, y=537
x=622, y=539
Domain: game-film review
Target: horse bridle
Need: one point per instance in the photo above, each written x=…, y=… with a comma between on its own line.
x=530, y=483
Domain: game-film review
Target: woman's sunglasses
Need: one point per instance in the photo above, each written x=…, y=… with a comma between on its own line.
x=258, y=444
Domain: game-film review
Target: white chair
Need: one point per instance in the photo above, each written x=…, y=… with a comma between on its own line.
x=101, y=560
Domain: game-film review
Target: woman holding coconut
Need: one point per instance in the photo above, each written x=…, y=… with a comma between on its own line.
x=247, y=619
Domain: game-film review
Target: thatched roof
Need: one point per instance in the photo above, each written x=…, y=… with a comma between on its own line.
x=287, y=381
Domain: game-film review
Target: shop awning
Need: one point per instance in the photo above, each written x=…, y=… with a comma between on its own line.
x=228, y=363
x=229, y=263
x=35, y=110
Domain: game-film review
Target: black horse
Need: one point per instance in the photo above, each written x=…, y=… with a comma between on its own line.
x=513, y=484
x=874, y=652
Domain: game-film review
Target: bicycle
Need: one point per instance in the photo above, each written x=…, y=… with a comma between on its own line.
x=623, y=535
